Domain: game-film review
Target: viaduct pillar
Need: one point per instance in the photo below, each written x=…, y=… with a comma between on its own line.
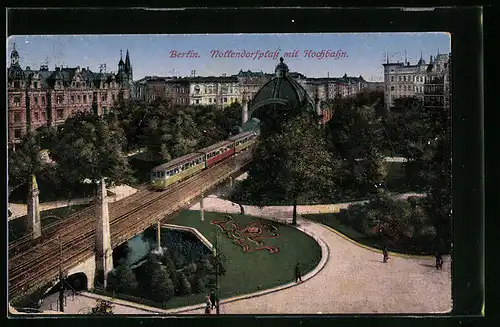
x=244, y=113
x=34, y=223
x=104, y=252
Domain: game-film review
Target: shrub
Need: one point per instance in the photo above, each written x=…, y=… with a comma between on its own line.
x=184, y=285
x=122, y=280
x=162, y=287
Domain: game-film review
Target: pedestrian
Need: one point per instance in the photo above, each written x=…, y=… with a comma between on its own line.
x=297, y=273
x=386, y=254
x=208, y=306
x=212, y=299
x=439, y=261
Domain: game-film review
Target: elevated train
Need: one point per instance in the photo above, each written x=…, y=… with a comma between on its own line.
x=183, y=167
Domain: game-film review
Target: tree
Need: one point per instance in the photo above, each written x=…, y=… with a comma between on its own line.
x=162, y=287
x=122, y=280
x=184, y=285
x=170, y=132
x=90, y=147
x=355, y=136
x=25, y=161
x=291, y=161
x=102, y=308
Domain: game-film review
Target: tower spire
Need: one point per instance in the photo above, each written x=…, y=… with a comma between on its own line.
x=421, y=55
x=387, y=56
x=438, y=51
x=406, y=57
x=121, y=56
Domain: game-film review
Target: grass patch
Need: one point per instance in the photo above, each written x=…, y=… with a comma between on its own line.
x=331, y=220
x=17, y=227
x=252, y=271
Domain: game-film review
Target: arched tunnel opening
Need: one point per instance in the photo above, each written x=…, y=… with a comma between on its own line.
x=77, y=282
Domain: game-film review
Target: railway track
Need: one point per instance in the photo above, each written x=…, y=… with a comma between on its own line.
x=40, y=261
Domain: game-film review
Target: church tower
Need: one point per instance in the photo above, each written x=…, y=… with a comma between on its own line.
x=128, y=67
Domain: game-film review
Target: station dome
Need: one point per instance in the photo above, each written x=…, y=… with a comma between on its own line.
x=282, y=90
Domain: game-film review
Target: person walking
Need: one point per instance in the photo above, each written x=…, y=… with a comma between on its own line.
x=385, y=252
x=212, y=299
x=439, y=261
x=208, y=306
x=297, y=273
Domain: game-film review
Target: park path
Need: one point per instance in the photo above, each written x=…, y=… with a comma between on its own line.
x=354, y=279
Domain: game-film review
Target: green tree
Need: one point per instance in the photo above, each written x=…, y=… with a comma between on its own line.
x=291, y=161
x=170, y=132
x=162, y=287
x=184, y=285
x=122, y=280
x=355, y=135
x=25, y=161
x=90, y=147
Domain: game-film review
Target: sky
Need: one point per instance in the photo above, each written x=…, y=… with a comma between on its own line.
x=151, y=55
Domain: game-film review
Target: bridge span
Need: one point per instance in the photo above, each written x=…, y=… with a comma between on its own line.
x=70, y=245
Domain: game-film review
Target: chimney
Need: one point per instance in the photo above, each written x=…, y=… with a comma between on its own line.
x=28, y=68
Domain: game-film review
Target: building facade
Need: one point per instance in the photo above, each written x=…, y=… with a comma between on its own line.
x=43, y=97
x=437, y=88
x=423, y=81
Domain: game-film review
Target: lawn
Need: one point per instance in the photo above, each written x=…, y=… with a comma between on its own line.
x=17, y=227
x=331, y=220
x=251, y=271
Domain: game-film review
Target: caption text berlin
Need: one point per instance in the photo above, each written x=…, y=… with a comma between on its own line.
x=261, y=54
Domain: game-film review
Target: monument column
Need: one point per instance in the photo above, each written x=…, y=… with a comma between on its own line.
x=34, y=223
x=104, y=252
x=244, y=113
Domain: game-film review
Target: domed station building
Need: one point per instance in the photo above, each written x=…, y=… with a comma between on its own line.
x=275, y=98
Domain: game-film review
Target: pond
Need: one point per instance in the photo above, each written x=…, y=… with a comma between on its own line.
x=183, y=246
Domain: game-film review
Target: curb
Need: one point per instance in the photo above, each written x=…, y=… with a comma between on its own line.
x=396, y=254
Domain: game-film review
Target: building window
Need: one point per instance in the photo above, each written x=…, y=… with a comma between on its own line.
x=17, y=85
x=35, y=85
x=44, y=117
x=43, y=100
x=225, y=99
x=37, y=116
x=17, y=117
x=104, y=110
x=72, y=99
x=84, y=98
x=35, y=99
x=60, y=114
x=17, y=101
x=400, y=87
x=78, y=98
x=404, y=78
x=392, y=78
x=210, y=100
x=197, y=101
x=17, y=133
x=113, y=96
x=399, y=78
x=215, y=100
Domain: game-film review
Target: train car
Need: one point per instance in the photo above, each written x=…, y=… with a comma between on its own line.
x=217, y=152
x=243, y=141
x=176, y=170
